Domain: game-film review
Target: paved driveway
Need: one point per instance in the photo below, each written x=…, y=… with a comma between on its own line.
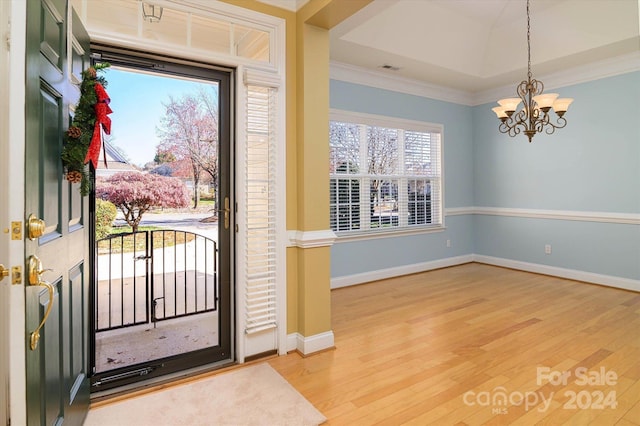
x=191, y=222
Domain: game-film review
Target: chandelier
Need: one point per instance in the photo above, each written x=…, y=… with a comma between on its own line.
x=535, y=115
x=151, y=13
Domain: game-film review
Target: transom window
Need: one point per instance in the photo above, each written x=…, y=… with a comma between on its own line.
x=385, y=174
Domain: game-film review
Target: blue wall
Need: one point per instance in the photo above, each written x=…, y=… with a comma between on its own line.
x=592, y=165
x=362, y=256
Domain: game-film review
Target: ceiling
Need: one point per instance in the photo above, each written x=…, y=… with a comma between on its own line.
x=478, y=45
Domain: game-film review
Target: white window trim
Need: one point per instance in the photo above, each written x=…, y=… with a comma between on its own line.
x=393, y=123
x=349, y=236
x=384, y=121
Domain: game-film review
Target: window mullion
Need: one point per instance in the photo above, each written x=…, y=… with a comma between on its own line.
x=436, y=171
x=403, y=211
x=365, y=181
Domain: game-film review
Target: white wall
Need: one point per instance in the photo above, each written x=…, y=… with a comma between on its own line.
x=577, y=190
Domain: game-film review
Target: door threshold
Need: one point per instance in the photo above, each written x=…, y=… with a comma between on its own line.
x=158, y=383
x=110, y=396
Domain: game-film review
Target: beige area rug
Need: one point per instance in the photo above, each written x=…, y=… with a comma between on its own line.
x=255, y=395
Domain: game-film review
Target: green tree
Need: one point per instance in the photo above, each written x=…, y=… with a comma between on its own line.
x=163, y=156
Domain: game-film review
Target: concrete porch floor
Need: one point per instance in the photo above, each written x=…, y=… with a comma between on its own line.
x=133, y=345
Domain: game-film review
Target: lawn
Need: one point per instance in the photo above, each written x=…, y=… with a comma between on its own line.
x=122, y=240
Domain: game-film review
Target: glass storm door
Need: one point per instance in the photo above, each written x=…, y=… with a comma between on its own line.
x=162, y=295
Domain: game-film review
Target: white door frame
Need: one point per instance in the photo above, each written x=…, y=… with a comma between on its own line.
x=271, y=74
x=12, y=136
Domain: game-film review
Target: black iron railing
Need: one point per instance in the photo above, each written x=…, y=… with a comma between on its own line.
x=151, y=276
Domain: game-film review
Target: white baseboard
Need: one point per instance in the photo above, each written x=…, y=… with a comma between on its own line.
x=310, y=344
x=381, y=274
x=292, y=342
x=572, y=274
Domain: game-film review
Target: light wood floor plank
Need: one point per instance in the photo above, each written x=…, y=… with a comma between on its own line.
x=427, y=348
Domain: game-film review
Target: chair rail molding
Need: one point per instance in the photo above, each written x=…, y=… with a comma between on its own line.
x=311, y=239
x=572, y=215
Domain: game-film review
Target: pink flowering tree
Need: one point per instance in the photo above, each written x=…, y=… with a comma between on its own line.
x=136, y=193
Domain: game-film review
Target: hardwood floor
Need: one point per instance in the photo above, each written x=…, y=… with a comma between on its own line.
x=442, y=347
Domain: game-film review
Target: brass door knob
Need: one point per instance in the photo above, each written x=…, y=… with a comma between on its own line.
x=35, y=227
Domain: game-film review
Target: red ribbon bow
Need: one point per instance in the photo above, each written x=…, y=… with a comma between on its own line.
x=102, y=109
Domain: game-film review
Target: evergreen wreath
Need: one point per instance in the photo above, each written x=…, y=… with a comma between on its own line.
x=85, y=131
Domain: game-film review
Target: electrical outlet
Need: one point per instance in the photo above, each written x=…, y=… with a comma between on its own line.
x=547, y=249
x=448, y=243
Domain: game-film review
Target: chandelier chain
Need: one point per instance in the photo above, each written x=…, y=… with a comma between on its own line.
x=528, y=43
x=534, y=116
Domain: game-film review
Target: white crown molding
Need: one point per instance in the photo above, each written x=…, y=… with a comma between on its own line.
x=311, y=239
x=594, y=71
x=579, y=216
x=364, y=76
x=572, y=274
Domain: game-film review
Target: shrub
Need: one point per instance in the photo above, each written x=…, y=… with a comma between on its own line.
x=105, y=215
x=136, y=193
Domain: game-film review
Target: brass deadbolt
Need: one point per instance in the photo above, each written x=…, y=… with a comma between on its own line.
x=35, y=227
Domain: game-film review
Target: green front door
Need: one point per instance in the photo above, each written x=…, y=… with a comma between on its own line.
x=57, y=375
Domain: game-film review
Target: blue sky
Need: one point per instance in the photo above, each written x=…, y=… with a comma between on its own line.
x=136, y=101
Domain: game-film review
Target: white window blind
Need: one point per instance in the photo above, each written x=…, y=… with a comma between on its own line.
x=260, y=257
x=384, y=177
